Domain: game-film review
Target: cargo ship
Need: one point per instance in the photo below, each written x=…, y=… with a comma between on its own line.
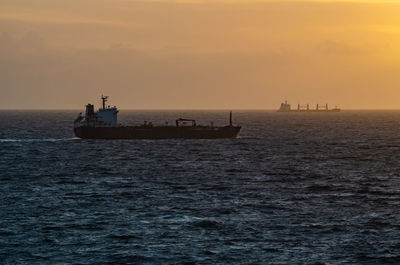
x=103, y=124
x=285, y=107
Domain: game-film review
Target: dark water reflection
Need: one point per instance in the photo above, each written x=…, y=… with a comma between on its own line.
x=293, y=189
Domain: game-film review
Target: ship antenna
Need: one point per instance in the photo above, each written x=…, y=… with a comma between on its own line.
x=104, y=99
x=230, y=119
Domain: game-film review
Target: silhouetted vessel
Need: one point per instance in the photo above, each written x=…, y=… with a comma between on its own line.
x=285, y=107
x=103, y=124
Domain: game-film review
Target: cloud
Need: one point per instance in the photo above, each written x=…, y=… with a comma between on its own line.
x=56, y=20
x=332, y=47
x=134, y=78
x=28, y=41
x=161, y=55
x=264, y=1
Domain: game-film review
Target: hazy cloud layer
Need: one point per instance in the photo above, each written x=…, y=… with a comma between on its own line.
x=62, y=54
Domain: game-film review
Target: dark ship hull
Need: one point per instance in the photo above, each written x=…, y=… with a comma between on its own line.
x=156, y=132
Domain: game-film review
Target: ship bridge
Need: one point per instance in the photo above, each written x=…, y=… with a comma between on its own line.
x=104, y=117
x=107, y=115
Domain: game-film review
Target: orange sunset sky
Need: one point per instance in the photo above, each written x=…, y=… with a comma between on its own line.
x=62, y=54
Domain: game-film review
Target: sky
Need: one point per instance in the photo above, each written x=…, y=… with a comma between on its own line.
x=199, y=54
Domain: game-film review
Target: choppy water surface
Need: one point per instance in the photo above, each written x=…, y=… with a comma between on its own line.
x=293, y=189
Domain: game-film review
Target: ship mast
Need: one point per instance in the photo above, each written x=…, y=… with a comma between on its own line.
x=104, y=100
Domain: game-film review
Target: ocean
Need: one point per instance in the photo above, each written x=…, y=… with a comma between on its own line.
x=292, y=189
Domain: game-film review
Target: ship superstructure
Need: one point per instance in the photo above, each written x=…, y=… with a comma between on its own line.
x=104, y=117
x=103, y=124
x=285, y=107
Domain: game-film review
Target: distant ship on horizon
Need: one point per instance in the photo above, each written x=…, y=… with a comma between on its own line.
x=285, y=107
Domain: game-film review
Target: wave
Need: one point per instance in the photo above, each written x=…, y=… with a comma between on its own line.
x=38, y=140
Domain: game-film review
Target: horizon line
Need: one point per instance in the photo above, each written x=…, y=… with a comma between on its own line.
x=191, y=109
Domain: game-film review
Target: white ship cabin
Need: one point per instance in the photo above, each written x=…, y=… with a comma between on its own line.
x=107, y=116
x=285, y=106
x=104, y=117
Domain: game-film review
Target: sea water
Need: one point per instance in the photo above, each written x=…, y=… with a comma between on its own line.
x=294, y=188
